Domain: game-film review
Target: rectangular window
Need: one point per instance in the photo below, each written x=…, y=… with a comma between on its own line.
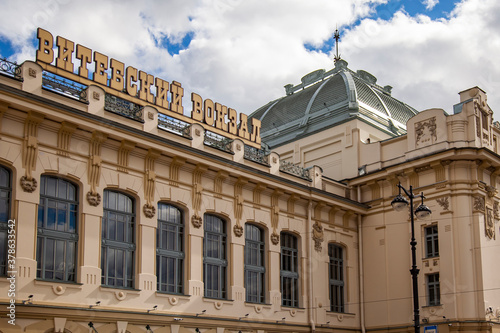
x=254, y=264
x=289, y=270
x=336, y=266
x=169, y=249
x=433, y=289
x=118, y=245
x=57, y=230
x=431, y=241
x=5, y=192
x=214, y=257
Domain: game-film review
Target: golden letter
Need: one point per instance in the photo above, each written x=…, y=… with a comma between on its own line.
x=161, y=93
x=208, y=109
x=131, y=78
x=85, y=55
x=177, y=94
x=101, y=65
x=233, y=121
x=197, y=112
x=147, y=81
x=220, y=122
x=46, y=42
x=65, y=54
x=117, y=71
x=243, y=132
x=255, y=131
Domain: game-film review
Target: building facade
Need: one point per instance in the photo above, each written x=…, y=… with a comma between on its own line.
x=118, y=213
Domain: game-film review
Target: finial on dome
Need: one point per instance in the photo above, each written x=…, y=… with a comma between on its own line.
x=336, y=35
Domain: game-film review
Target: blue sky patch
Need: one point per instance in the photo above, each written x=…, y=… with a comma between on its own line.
x=174, y=46
x=414, y=7
x=6, y=49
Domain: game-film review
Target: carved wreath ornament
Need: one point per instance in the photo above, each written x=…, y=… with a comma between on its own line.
x=29, y=184
x=149, y=210
x=196, y=221
x=93, y=198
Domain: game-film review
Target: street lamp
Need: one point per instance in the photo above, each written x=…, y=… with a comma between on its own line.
x=399, y=203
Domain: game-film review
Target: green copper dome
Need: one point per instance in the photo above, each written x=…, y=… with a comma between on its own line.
x=326, y=99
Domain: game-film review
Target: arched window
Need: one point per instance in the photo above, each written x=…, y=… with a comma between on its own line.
x=254, y=264
x=336, y=254
x=5, y=194
x=170, y=249
x=214, y=257
x=289, y=270
x=118, y=240
x=57, y=233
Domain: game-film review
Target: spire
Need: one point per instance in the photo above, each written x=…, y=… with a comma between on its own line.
x=336, y=35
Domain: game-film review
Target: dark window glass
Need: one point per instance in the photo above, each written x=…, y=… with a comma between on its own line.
x=431, y=241
x=336, y=254
x=118, y=240
x=289, y=270
x=214, y=257
x=169, y=249
x=5, y=194
x=57, y=235
x=433, y=289
x=254, y=264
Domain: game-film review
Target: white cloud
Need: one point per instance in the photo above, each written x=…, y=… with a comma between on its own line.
x=428, y=62
x=430, y=4
x=244, y=52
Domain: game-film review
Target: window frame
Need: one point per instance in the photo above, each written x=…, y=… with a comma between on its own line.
x=215, y=266
x=254, y=273
x=173, y=227
x=126, y=248
x=336, y=266
x=431, y=235
x=50, y=239
x=5, y=195
x=289, y=279
x=433, y=289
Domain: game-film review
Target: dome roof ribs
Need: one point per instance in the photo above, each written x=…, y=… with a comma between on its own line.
x=325, y=99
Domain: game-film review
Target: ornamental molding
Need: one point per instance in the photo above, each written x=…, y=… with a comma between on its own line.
x=317, y=236
x=149, y=210
x=196, y=221
x=238, y=230
x=93, y=198
x=444, y=202
x=478, y=203
x=275, y=238
x=489, y=224
x=28, y=184
x=425, y=132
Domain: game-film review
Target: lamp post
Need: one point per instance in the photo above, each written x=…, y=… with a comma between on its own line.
x=399, y=203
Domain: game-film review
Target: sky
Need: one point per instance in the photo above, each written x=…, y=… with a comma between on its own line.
x=241, y=53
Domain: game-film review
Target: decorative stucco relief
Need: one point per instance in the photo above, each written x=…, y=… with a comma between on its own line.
x=318, y=236
x=425, y=132
x=444, y=203
x=489, y=224
x=478, y=203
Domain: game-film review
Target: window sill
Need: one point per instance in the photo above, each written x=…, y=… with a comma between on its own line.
x=218, y=303
x=120, y=293
x=173, y=299
x=432, y=306
x=59, y=287
x=293, y=310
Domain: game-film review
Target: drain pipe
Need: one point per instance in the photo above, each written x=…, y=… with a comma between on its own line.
x=361, y=272
x=309, y=263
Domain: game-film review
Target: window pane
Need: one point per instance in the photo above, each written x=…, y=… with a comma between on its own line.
x=289, y=270
x=57, y=212
x=214, y=257
x=118, y=227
